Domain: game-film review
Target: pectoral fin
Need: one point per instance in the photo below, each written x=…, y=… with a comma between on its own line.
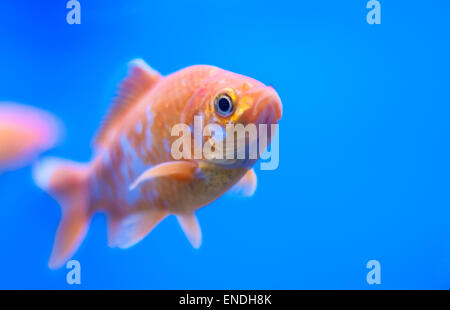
x=180, y=170
x=126, y=232
x=191, y=228
x=246, y=186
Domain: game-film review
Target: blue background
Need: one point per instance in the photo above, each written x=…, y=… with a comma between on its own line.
x=364, y=141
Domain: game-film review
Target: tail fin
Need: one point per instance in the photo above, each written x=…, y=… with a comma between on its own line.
x=67, y=182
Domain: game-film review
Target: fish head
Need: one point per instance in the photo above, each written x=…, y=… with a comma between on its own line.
x=234, y=110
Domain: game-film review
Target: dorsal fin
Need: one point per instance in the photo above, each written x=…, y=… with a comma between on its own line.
x=140, y=79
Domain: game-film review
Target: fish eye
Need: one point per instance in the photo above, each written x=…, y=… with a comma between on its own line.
x=224, y=105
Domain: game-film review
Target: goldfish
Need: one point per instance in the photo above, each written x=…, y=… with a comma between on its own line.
x=25, y=132
x=134, y=177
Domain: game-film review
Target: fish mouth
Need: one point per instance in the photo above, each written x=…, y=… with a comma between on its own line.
x=267, y=109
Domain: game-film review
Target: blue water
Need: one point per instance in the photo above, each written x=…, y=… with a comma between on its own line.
x=364, y=141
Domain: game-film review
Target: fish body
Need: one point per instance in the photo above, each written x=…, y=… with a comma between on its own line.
x=143, y=141
x=24, y=133
x=134, y=177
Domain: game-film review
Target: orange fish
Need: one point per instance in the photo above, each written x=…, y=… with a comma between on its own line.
x=134, y=177
x=24, y=133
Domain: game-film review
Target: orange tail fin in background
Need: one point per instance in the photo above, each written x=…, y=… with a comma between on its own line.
x=67, y=182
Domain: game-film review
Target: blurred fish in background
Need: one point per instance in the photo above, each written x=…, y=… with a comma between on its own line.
x=25, y=132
